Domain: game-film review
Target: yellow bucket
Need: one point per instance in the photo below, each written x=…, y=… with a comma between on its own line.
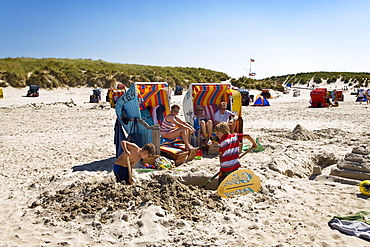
x=1, y=93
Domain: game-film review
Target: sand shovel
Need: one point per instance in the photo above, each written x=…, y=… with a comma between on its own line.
x=214, y=176
x=130, y=180
x=259, y=147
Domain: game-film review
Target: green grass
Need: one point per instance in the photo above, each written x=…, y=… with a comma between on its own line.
x=54, y=72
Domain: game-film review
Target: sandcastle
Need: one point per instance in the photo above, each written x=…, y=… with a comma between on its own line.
x=354, y=166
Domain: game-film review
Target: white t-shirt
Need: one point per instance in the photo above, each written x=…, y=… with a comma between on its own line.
x=222, y=117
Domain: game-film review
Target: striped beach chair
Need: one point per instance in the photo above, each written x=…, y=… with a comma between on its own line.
x=210, y=95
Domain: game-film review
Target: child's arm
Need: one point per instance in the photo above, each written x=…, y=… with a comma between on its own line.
x=124, y=147
x=127, y=146
x=254, y=144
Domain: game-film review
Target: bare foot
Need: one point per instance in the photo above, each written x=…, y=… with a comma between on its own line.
x=190, y=147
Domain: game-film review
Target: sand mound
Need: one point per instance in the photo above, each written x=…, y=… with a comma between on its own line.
x=106, y=197
x=302, y=134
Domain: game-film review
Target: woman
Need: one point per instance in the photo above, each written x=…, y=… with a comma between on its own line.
x=173, y=127
x=205, y=123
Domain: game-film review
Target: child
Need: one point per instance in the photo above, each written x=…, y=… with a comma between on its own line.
x=229, y=149
x=131, y=153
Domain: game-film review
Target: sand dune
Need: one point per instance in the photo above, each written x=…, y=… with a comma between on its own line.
x=58, y=188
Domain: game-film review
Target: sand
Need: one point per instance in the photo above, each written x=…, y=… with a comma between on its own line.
x=58, y=189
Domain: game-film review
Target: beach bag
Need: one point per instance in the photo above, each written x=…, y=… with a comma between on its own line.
x=164, y=163
x=133, y=136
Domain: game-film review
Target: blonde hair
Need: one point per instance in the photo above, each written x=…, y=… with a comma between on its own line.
x=223, y=128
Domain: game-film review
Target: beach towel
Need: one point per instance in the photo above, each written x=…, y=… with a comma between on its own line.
x=355, y=225
x=119, y=135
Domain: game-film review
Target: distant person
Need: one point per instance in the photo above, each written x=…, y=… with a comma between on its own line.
x=360, y=95
x=205, y=123
x=173, y=127
x=229, y=149
x=131, y=153
x=333, y=94
x=367, y=95
x=224, y=115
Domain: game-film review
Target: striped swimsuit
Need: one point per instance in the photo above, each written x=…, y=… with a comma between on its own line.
x=167, y=126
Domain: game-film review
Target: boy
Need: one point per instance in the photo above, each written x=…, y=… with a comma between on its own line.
x=229, y=149
x=131, y=153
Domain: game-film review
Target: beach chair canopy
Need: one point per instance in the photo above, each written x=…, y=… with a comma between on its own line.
x=34, y=87
x=33, y=91
x=244, y=91
x=147, y=101
x=178, y=90
x=208, y=95
x=319, y=97
x=266, y=94
x=153, y=97
x=113, y=95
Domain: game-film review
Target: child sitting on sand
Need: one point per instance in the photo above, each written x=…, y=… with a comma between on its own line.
x=229, y=149
x=131, y=153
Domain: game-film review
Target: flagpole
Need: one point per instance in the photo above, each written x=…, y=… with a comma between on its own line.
x=250, y=67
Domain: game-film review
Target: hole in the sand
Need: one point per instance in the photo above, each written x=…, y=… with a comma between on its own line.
x=200, y=180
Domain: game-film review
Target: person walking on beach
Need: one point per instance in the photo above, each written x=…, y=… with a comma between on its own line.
x=131, y=155
x=173, y=127
x=229, y=149
x=224, y=115
x=360, y=95
x=367, y=95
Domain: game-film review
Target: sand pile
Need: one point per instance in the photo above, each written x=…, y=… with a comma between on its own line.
x=300, y=133
x=100, y=200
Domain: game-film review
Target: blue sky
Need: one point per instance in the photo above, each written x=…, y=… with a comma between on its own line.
x=282, y=36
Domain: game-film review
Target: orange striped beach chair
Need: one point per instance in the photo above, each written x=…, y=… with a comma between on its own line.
x=151, y=97
x=210, y=95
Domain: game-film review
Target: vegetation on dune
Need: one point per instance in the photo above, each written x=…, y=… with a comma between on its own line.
x=52, y=73
x=248, y=83
x=355, y=79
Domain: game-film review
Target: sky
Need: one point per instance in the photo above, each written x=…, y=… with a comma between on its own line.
x=282, y=36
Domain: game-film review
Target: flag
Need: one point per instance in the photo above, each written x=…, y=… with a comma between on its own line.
x=252, y=74
x=252, y=60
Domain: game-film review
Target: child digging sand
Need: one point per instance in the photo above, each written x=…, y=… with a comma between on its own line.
x=132, y=154
x=229, y=149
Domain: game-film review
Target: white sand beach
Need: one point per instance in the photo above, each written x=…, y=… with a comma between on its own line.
x=58, y=188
